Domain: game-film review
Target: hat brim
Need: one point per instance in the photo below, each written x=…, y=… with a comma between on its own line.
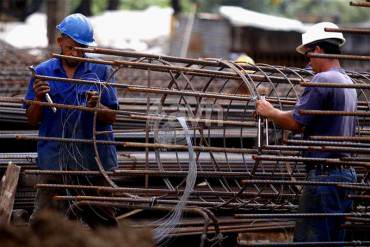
x=300, y=49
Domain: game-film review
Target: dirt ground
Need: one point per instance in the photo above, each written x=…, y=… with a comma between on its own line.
x=53, y=230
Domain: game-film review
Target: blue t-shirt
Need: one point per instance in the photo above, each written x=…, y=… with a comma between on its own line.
x=321, y=98
x=73, y=123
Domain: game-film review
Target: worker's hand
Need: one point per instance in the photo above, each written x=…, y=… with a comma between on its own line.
x=264, y=108
x=92, y=98
x=40, y=88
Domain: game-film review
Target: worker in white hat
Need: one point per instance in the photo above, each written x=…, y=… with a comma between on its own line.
x=321, y=199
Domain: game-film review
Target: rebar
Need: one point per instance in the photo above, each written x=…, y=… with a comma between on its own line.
x=217, y=99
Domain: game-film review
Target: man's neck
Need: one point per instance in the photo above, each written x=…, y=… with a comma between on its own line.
x=329, y=64
x=70, y=70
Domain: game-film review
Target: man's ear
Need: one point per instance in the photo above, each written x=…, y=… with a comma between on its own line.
x=59, y=40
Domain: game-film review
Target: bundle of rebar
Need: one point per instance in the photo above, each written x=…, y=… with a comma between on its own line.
x=250, y=173
x=245, y=167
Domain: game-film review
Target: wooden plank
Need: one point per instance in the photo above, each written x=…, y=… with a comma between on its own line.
x=7, y=194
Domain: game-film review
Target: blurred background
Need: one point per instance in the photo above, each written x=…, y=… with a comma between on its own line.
x=266, y=30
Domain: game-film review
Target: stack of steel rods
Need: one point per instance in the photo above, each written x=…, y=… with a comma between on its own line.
x=217, y=99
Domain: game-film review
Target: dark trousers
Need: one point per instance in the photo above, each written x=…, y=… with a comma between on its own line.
x=324, y=199
x=92, y=215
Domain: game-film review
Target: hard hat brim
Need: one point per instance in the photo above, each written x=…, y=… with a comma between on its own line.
x=93, y=43
x=300, y=49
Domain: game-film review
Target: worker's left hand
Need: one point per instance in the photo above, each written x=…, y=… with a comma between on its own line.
x=264, y=108
x=92, y=98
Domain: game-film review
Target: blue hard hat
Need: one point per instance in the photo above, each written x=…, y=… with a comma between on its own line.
x=78, y=28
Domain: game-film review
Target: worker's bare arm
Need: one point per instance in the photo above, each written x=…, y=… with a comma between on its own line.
x=34, y=112
x=282, y=118
x=93, y=100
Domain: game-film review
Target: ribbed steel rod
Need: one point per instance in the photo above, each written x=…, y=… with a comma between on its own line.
x=327, y=161
x=327, y=143
x=210, y=174
x=140, y=145
x=335, y=85
x=348, y=30
x=318, y=148
x=185, y=70
x=289, y=182
x=158, y=173
x=308, y=244
x=299, y=215
x=153, y=90
x=161, y=192
x=130, y=115
x=359, y=4
x=355, y=187
x=341, y=138
x=359, y=197
x=291, y=158
x=333, y=113
x=57, y=172
x=204, y=62
x=339, y=56
x=122, y=202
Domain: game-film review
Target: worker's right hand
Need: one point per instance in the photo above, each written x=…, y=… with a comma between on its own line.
x=40, y=88
x=264, y=108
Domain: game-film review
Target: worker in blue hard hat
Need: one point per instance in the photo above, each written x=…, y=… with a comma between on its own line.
x=75, y=31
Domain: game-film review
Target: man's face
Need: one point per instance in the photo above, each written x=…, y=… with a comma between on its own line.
x=315, y=62
x=66, y=45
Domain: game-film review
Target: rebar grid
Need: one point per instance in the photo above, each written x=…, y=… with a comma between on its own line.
x=217, y=99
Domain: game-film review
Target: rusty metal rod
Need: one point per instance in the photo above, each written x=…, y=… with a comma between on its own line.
x=341, y=138
x=185, y=70
x=364, y=159
x=57, y=172
x=339, y=56
x=348, y=30
x=237, y=228
x=290, y=182
x=194, y=120
x=153, y=90
x=159, y=192
x=327, y=143
x=307, y=244
x=122, y=202
x=291, y=158
x=359, y=197
x=328, y=161
x=139, y=145
x=158, y=173
x=319, y=149
x=359, y=4
x=354, y=187
x=208, y=174
x=299, y=215
x=130, y=115
x=333, y=113
x=335, y=85
x=204, y=62
x=357, y=219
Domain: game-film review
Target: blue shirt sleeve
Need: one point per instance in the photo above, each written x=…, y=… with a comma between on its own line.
x=312, y=98
x=109, y=94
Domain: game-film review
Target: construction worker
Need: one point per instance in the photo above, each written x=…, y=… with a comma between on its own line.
x=321, y=199
x=75, y=31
